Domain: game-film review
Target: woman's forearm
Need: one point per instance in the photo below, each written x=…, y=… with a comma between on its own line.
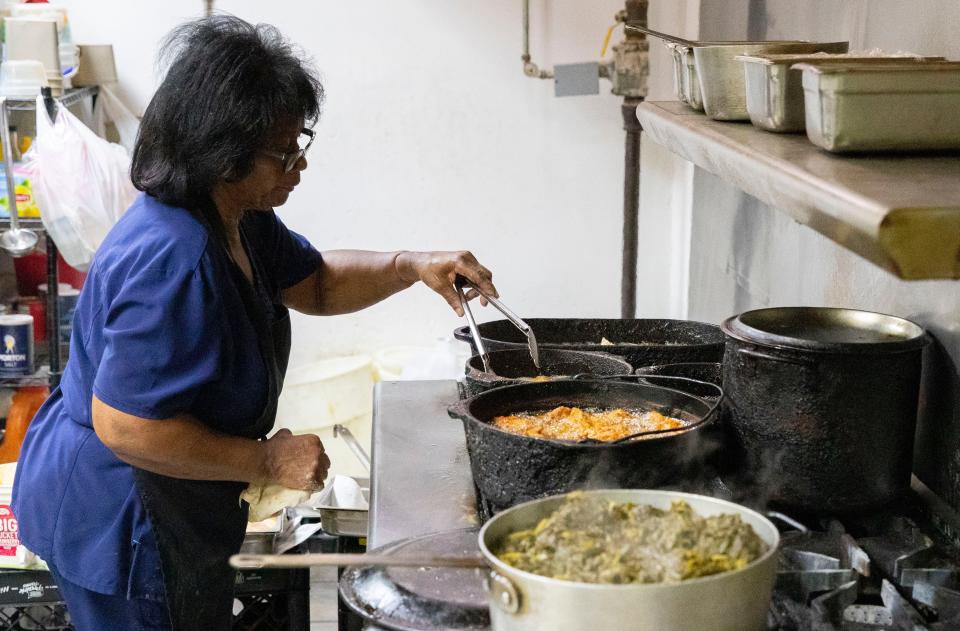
x=351, y=280
x=183, y=447
x=179, y=447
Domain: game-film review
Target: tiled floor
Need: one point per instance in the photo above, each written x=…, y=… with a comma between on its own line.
x=323, y=599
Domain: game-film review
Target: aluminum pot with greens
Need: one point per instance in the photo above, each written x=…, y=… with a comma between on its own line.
x=629, y=559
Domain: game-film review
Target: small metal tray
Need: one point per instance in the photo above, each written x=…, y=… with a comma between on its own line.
x=677, y=70
x=691, y=84
x=343, y=521
x=258, y=543
x=775, y=90
x=890, y=107
x=349, y=522
x=685, y=82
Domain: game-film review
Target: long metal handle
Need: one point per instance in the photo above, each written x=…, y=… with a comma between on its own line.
x=261, y=561
x=8, y=165
x=664, y=36
x=347, y=436
x=474, y=329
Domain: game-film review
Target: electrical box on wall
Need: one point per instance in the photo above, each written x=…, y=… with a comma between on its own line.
x=576, y=79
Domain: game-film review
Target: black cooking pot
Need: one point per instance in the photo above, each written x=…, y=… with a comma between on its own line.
x=822, y=404
x=640, y=342
x=515, y=366
x=509, y=468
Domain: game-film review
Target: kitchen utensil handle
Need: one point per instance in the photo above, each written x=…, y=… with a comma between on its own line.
x=510, y=315
x=790, y=521
x=749, y=352
x=471, y=321
x=714, y=405
x=262, y=561
x=7, y=146
x=682, y=380
x=347, y=436
x=459, y=410
x=462, y=333
x=664, y=36
x=502, y=308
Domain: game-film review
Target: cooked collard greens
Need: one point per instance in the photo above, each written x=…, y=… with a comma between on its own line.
x=593, y=540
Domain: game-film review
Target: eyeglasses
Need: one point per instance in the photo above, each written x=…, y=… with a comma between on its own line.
x=290, y=159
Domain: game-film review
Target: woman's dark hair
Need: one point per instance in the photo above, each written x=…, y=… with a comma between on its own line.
x=228, y=85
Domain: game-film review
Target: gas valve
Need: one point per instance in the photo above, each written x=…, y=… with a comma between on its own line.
x=631, y=57
x=627, y=70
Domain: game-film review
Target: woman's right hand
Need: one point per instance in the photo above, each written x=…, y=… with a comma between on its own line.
x=296, y=462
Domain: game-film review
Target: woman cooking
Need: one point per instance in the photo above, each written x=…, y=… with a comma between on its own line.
x=129, y=479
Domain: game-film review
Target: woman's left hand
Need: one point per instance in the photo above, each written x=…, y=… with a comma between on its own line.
x=438, y=271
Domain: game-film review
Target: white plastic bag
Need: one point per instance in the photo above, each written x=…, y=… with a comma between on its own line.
x=81, y=182
x=110, y=109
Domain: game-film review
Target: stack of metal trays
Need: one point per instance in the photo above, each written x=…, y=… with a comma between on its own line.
x=889, y=107
x=774, y=85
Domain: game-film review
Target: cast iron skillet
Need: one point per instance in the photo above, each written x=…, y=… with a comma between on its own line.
x=509, y=468
x=515, y=366
x=640, y=342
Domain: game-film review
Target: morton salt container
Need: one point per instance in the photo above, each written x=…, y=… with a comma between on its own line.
x=16, y=345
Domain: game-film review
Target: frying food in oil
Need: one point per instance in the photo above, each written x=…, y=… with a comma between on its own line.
x=566, y=423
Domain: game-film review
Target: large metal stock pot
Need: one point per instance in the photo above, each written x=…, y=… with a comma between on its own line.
x=732, y=601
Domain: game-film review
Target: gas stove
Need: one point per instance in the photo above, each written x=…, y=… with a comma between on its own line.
x=896, y=569
x=891, y=570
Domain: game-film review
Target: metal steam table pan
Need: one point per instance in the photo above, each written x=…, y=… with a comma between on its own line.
x=895, y=107
x=721, y=76
x=775, y=90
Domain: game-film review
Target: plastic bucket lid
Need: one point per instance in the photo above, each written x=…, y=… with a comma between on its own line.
x=15, y=319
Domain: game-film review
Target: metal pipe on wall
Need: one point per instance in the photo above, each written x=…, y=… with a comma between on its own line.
x=529, y=68
x=633, y=67
x=631, y=208
x=628, y=73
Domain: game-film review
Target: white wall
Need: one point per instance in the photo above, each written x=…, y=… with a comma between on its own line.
x=432, y=138
x=665, y=184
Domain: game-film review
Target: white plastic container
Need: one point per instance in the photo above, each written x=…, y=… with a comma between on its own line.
x=33, y=39
x=319, y=395
x=443, y=360
x=22, y=79
x=391, y=362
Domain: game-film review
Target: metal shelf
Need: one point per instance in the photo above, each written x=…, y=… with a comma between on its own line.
x=71, y=97
x=902, y=212
x=40, y=378
x=34, y=223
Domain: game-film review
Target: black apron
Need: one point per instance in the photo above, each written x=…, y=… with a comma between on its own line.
x=199, y=524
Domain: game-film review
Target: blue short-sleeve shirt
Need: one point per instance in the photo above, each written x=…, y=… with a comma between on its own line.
x=159, y=330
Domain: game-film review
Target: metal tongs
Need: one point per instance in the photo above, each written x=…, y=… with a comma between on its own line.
x=502, y=308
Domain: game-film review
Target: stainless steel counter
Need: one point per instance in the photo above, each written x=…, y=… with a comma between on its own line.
x=420, y=474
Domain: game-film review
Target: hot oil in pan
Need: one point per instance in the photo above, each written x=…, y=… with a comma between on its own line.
x=578, y=424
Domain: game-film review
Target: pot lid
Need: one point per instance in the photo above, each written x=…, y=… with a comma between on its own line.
x=421, y=599
x=826, y=329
